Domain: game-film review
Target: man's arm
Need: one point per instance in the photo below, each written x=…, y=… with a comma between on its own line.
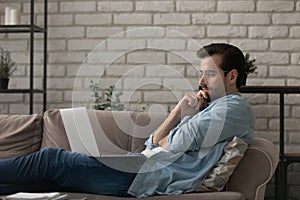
x=162, y=132
x=187, y=106
x=227, y=117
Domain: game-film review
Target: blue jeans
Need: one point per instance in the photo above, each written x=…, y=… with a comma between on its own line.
x=58, y=170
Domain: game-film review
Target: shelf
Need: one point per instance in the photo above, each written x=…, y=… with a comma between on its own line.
x=21, y=91
x=285, y=158
x=270, y=89
x=32, y=29
x=22, y=28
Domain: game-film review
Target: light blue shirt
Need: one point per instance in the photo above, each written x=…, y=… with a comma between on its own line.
x=196, y=144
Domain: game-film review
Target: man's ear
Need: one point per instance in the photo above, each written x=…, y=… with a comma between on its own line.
x=232, y=76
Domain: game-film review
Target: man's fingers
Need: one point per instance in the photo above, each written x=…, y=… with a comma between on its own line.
x=193, y=101
x=203, y=94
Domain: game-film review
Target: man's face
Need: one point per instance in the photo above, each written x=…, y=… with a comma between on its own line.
x=212, y=76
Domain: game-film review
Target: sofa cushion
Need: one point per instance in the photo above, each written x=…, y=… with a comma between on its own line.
x=54, y=134
x=219, y=175
x=19, y=134
x=117, y=127
x=191, y=196
x=145, y=124
x=127, y=130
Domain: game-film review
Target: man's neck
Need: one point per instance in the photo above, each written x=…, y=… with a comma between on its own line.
x=231, y=90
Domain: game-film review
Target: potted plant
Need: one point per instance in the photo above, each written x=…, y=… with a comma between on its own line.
x=249, y=66
x=7, y=67
x=108, y=103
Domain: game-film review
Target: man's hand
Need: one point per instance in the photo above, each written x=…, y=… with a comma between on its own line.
x=188, y=106
x=164, y=143
x=203, y=98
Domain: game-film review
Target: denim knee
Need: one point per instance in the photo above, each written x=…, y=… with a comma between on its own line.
x=50, y=153
x=50, y=150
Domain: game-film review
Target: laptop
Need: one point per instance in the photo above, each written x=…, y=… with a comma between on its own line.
x=81, y=128
x=81, y=136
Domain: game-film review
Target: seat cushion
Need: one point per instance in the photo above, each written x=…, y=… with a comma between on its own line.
x=191, y=196
x=20, y=134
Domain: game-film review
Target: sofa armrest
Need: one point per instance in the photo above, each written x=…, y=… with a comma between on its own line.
x=255, y=170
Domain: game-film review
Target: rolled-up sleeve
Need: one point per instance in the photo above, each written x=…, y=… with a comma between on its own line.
x=184, y=137
x=149, y=143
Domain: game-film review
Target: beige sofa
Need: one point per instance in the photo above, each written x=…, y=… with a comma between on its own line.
x=24, y=134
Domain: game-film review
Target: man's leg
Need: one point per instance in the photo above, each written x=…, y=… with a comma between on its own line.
x=71, y=171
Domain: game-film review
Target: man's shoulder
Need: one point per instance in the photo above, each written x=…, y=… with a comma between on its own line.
x=231, y=98
x=234, y=101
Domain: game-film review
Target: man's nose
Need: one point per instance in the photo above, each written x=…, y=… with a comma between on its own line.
x=202, y=81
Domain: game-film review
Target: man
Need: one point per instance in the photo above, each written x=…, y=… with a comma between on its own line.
x=180, y=152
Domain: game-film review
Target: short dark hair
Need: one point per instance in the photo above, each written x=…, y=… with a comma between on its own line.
x=232, y=58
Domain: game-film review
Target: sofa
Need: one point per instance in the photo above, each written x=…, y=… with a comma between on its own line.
x=24, y=134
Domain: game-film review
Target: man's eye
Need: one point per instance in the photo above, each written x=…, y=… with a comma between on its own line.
x=206, y=74
x=210, y=74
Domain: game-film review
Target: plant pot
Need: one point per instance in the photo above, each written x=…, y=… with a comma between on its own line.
x=4, y=83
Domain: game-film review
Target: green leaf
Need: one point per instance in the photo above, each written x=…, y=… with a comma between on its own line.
x=7, y=66
x=250, y=66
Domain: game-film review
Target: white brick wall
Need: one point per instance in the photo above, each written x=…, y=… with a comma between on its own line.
x=66, y=32
x=275, y=6
x=195, y=6
x=133, y=19
x=208, y=18
x=226, y=31
x=171, y=19
x=250, y=19
x=236, y=6
x=77, y=6
x=267, y=29
x=57, y=19
x=115, y=6
x=93, y=19
x=155, y=6
x=289, y=18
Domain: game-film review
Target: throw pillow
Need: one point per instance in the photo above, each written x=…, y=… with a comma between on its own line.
x=20, y=135
x=219, y=175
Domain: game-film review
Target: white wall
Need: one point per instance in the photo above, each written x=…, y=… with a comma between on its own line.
x=268, y=30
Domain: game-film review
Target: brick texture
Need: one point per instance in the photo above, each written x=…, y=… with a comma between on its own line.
x=148, y=49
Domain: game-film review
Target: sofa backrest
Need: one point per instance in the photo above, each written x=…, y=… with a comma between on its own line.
x=126, y=130
x=20, y=134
